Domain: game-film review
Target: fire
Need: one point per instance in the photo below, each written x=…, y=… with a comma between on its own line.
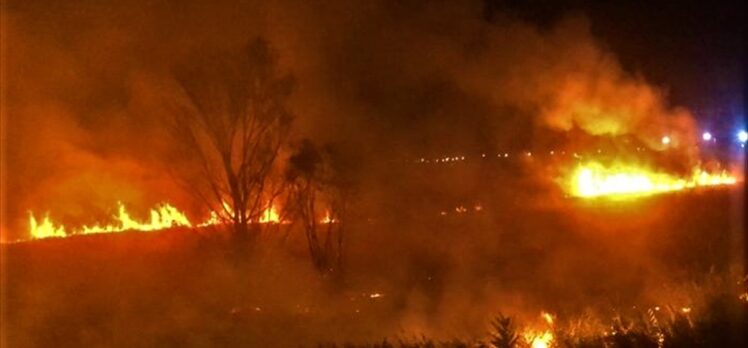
x=541, y=339
x=270, y=216
x=212, y=220
x=162, y=217
x=328, y=219
x=45, y=229
x=594, y=180
x=547, y=317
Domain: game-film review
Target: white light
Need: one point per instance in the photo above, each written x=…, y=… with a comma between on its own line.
x=706, y=136
x=743, y=136
x=665, y=140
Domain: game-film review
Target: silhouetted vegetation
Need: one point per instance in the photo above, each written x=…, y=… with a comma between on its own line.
x=723, y=323
x=504, y=333
x=231, y=124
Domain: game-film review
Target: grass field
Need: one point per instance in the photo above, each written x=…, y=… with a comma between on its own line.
x=413, y=278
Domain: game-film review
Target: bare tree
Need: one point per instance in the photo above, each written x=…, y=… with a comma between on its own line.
x=319, y=192
x=233, y=123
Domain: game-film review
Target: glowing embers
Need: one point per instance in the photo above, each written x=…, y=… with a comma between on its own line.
x=328, y=219
x=593, y=179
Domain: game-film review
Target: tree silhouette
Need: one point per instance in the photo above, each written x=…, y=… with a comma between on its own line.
x=504, y=333
x=320, y=184
x=232, y=123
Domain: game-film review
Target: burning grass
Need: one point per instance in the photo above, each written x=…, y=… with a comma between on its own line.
x=163, y=217
x=446, y=278
x=621, y=180
x=718, y=320
x=720, y=323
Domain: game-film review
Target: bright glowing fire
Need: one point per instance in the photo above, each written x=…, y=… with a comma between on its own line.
x=45, y=228
x=594, y=180
x=328, y=219
x=270, y=215
x=162, y=217
x=541, y=339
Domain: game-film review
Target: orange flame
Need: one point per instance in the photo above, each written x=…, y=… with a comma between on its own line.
x=45, y=228
x=270, y=216
x=162, y=217
x=328, y=219
x=540, y=340
x=620, y=180
x=543, y=338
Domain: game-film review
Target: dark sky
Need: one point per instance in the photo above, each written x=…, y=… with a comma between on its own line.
x=695, y=48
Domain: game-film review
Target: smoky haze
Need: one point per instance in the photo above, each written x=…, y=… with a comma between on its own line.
x=88, y=84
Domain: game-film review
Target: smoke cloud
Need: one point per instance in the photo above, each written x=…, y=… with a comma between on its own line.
x=87, y=84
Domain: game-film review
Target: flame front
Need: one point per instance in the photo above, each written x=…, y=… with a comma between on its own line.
x=541, y=339
x=162, y=217
x=328, y=219
x=270, y=216
x=594, y=180
x=45, y=228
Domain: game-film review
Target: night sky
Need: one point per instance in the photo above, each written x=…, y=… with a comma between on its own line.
x=694, y=48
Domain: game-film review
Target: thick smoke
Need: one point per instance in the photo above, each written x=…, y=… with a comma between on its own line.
x=87, y=84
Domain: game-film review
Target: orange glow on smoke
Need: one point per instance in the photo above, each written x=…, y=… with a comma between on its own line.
x=622, y=180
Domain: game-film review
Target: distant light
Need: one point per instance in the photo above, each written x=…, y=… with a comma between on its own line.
x=666, y=140
x=706, y=136
x=743, y=136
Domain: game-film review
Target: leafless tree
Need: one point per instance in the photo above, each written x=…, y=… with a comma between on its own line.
x=319, y=192
x=233, y=122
